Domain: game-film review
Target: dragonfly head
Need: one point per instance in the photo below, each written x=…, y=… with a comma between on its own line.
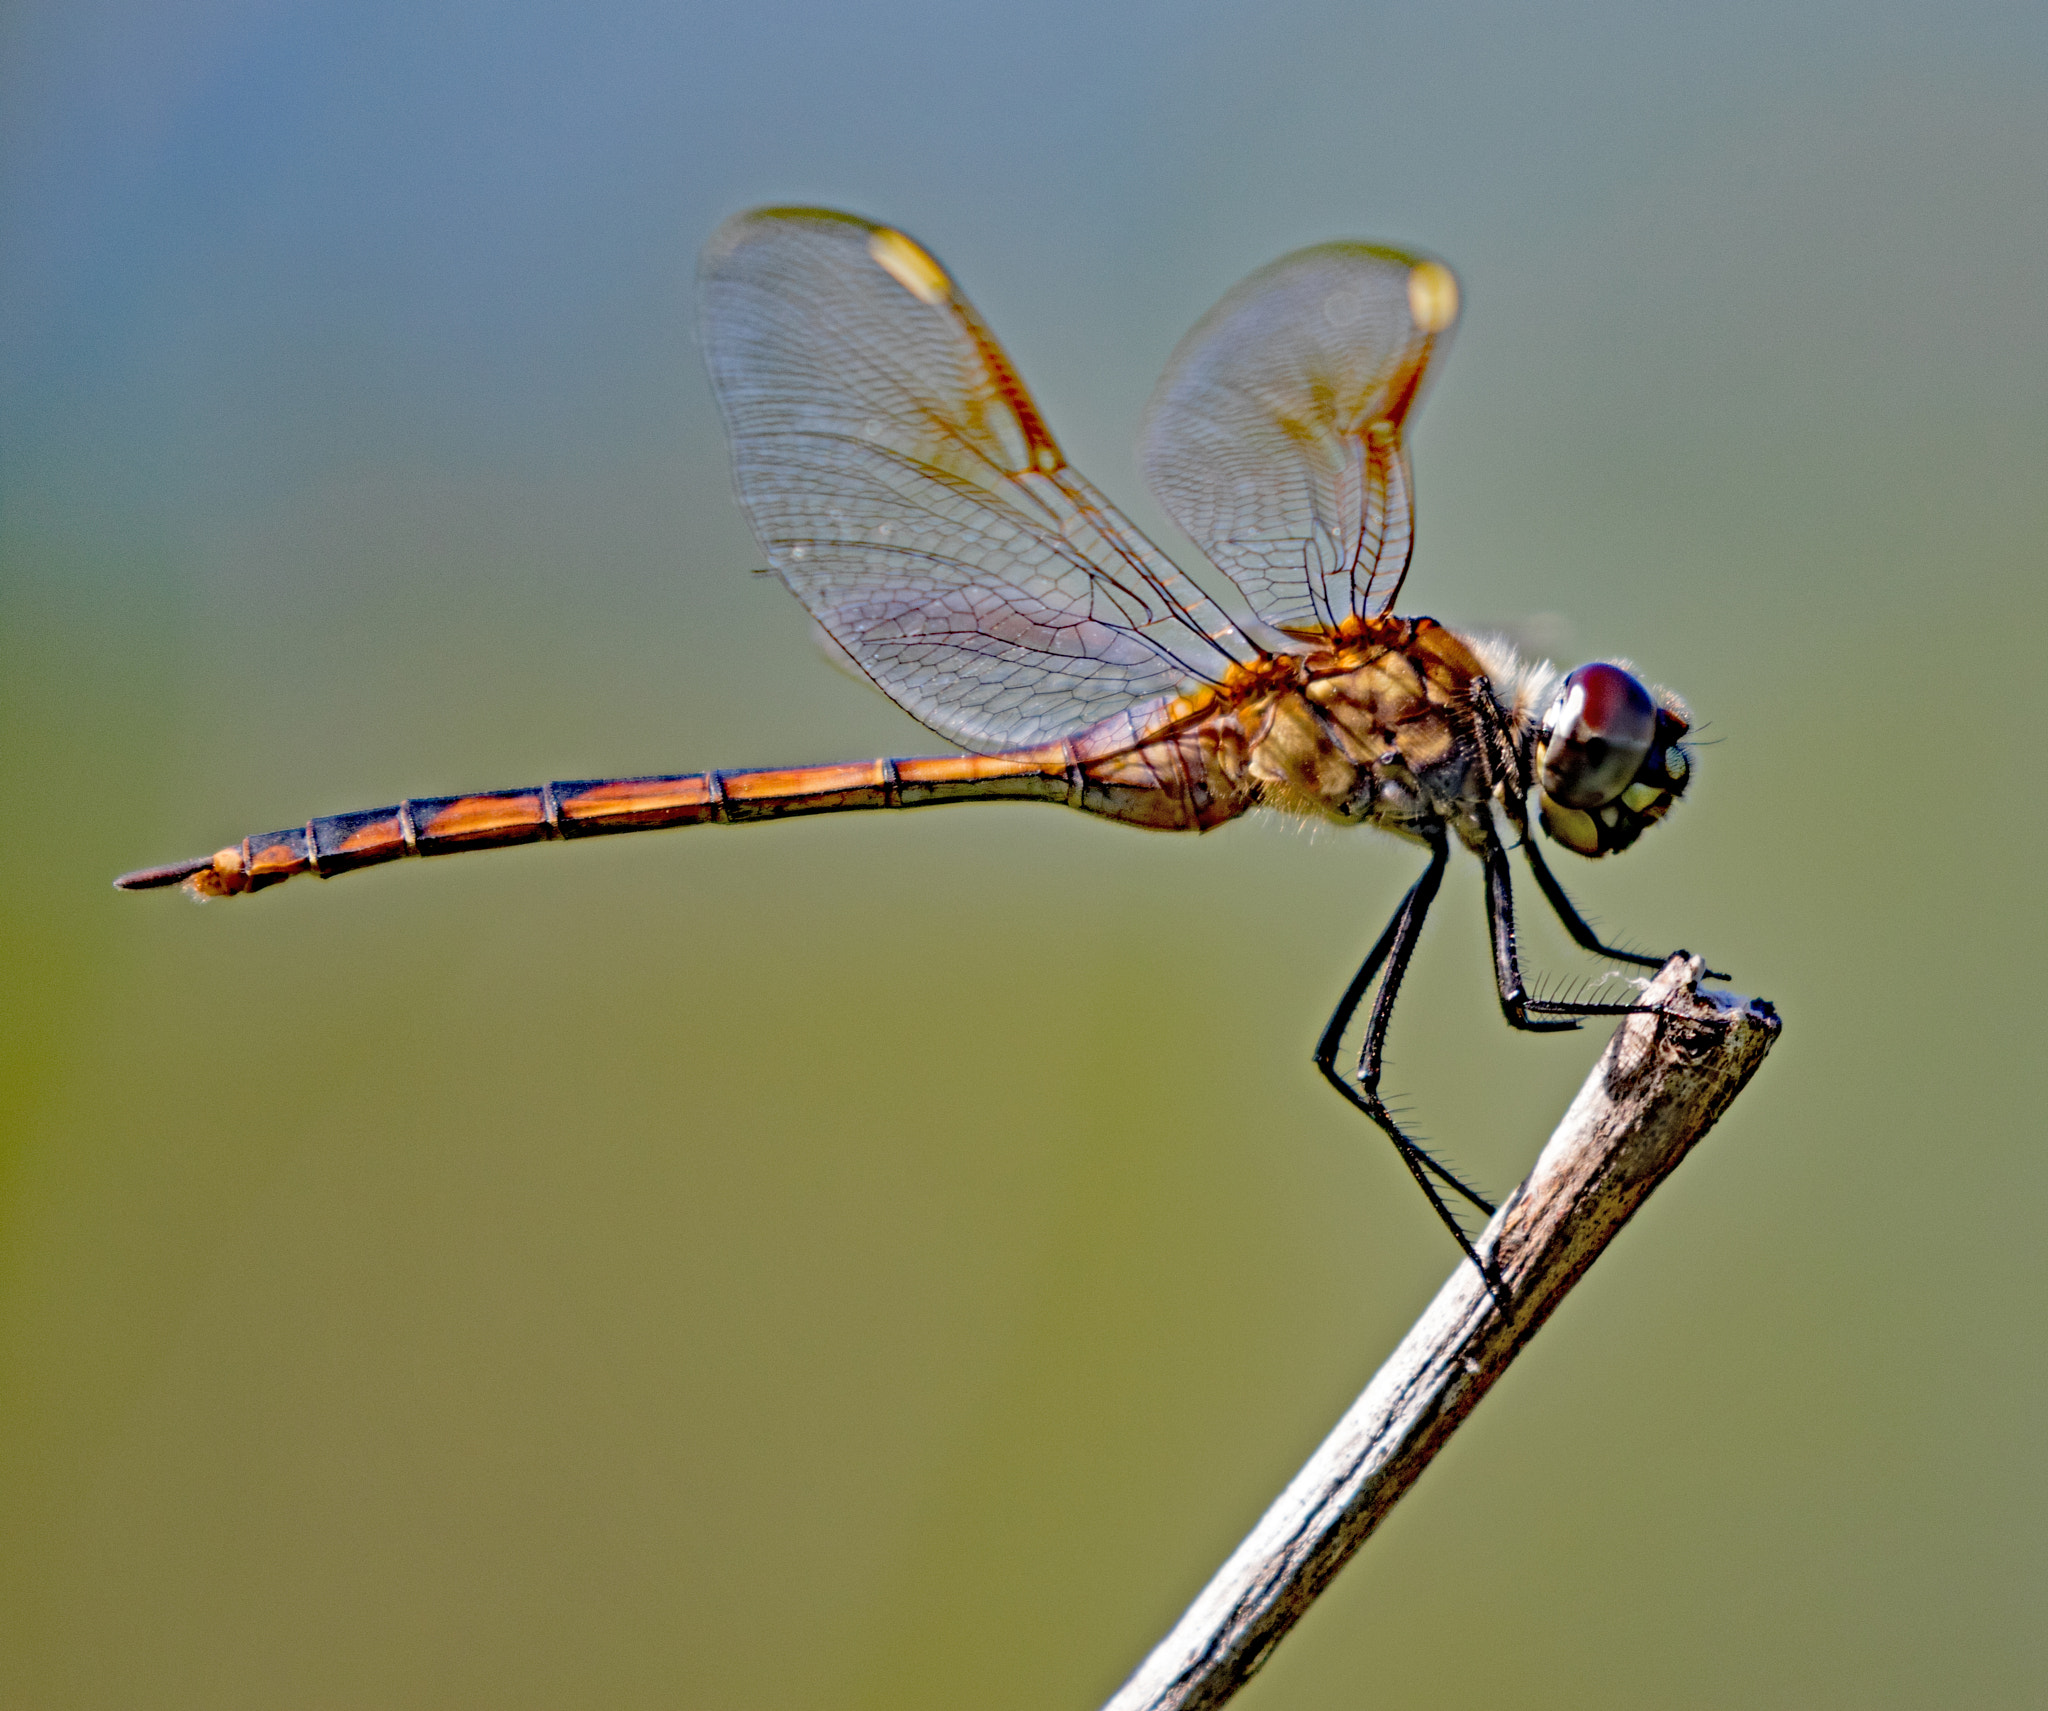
x=1610, y=760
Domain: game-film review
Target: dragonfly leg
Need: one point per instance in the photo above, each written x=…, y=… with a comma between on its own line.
x=1521, y=1010
x=1575, y=923
x=1396, y=945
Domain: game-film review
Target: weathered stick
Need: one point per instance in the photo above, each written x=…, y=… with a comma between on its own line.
x=1659, y=1086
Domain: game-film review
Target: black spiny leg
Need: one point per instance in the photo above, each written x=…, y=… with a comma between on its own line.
x=1575, y=923
x=1396, y=945
x=1520, y=1009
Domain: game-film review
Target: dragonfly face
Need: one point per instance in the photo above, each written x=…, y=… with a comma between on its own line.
x=1612, y=760
x=903, y=483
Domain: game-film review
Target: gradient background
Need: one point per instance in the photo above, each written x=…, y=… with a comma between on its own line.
x=889, y=1262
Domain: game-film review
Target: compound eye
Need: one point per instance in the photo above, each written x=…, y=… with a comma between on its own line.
x=1595, y=736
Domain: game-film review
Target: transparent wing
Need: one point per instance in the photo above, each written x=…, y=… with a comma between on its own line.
x=904, y=486
x=1274, y=437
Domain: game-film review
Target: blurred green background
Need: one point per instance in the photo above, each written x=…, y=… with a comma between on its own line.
x=889, y=1262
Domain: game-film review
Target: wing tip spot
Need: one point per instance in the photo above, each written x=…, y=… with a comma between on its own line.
x=906, y=262
x=1432, y=296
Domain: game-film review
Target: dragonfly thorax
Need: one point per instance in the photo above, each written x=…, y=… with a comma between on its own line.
x=1379, y=729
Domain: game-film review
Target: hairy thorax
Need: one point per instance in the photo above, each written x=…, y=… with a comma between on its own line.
x=1390, y=722
x=1380, y=728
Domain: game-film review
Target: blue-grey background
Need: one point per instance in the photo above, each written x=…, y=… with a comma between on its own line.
x=889, y=1262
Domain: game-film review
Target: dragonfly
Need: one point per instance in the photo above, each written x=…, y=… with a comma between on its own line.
x=903, y=484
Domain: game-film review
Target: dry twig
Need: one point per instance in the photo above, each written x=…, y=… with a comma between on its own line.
x=1659, y=1086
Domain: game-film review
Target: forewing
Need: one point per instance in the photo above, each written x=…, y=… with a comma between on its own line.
x=902, y=483
x=1274, y=437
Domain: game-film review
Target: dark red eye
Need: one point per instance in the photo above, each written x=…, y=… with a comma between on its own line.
x=1595, y=736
